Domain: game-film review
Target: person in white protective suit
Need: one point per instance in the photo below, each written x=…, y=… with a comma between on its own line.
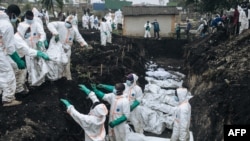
x=96, y=22
x=118, y=113
x=92, y=20
x=147, y=27
x=7, y=48
x=45, y=15
x=85, y=21
x=103, y=32
x=118, y=18
x=37, y=19
x=109, y=27
x=93, y=123
x=65, y=33
x=36, y=67
x=24, y=32
x=75, y=20
x=134, y=94
x=243, y=20
x=37, y=16
x=183, y=115
x=109, y=32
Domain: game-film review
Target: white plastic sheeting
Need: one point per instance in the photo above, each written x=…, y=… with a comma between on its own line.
x=58, y=61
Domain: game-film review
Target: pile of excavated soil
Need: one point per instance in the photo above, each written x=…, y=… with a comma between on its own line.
x=218, y=71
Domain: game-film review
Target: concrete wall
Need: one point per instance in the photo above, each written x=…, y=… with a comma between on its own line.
x=134, y=25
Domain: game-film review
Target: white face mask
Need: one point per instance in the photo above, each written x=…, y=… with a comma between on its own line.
x=68, y=25
x=29, y=21
x=129, y=83
x=114, y=91
x=13, y=20
x=26, y=35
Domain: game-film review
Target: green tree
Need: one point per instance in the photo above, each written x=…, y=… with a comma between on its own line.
x=49, y=4
x=60, y=4
x=211, y=5
x=27, y=6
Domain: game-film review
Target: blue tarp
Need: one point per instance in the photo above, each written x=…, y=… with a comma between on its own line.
x=98, y=6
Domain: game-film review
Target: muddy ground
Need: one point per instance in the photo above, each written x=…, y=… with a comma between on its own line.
x=218, y=75
x=43, y=117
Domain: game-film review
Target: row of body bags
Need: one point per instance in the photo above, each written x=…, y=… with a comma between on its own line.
x=159, y=102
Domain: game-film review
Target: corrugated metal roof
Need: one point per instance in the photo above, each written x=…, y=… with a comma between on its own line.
x=149, y=10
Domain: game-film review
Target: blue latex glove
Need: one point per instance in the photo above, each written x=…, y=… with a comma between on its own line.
x=57, y=38
x=20, y=63
x=65, y=102
x=39, y=45
x=42, y=55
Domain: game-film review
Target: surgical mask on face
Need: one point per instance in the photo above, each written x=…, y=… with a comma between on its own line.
x=68, y=25
x=13, y=20
x=129, y=83
x=29, y=21
x=26, y=35
x=114, y=91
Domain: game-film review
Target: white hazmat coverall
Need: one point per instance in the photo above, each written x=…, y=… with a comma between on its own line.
x=37, y=14
x=66, y=37
x=147, y=28
x=183, y=115
x=93, y=123
x=7, y=47
x=22, y=49
x=104, y=32
x=36, y=67
x=134, y=92
x=119, y=106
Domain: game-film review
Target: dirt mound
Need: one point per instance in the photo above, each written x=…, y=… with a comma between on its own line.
x=218, y=75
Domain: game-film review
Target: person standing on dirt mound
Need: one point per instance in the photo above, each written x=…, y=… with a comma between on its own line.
x=147, y=27
x=36, y=41
x=183, y=116
x=104, y=32
x=119, y=112
x=188, y=28
x=7, y=48
x=156, y=29
x=58, y=30
x=23, y=33
x=92, y=123
x=134, y=94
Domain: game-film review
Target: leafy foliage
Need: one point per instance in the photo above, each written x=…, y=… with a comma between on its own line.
x=212, y=5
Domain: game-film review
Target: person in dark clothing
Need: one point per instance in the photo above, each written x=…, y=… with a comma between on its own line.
x=188, y=27
x=236, y=20
x=178, y=31
x=156, y=29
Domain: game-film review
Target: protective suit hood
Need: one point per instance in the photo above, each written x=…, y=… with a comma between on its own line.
x=100, y=110
x=69, y=19
x=135, y=78
x=22, y=27
x=182, y=94
x=36, y=12
x=3, y=15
